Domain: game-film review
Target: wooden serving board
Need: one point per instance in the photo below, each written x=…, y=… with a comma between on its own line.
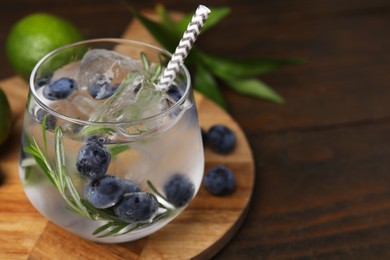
x=199, y=232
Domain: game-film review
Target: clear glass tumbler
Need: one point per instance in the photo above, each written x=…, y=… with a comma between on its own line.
x=105, y=155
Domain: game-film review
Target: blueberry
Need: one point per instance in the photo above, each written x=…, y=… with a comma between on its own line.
x=59, y=89
x=102, y=88
x=179, y=190
x=95, y=139
x=173, y=92
x=137, y=207
x=50, y=119
x=42, y=81
x=93, y=160
x=219, y=180
x=221, y=139
x=104, y=192
x=130, y=186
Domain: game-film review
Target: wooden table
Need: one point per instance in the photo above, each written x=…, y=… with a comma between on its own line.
x=322, y=158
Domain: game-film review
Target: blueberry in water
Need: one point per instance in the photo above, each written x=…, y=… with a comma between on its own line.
x=136, y=207
x=174, y=92
x=95, y=139
x=44, y=80
x=219, y=180
x=102, y=88
x=179, y=190
x=221, y=139
x=129, y=186
x=93, y=160
x=59, y=89
x=50, y=119
x=104, y=192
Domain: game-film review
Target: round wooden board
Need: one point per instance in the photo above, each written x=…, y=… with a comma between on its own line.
x=199, y=232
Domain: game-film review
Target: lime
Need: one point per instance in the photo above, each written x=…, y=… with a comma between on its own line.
x=36, y=35
x=5, y=117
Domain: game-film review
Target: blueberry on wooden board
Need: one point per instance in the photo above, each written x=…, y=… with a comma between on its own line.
x=221, y=139
x=219, y=180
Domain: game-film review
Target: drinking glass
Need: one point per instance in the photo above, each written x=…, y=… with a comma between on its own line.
x=115, y=167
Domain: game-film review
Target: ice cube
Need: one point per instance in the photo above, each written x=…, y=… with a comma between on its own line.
x=79, y=106
x=84, y=104
x=135, y=98
x=99, y=63
x=113, y=109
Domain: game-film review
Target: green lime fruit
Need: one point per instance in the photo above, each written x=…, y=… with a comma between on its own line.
x=5, y=117
x=34, y=36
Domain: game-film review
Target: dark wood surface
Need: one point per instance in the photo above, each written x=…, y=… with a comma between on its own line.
x=323, y=157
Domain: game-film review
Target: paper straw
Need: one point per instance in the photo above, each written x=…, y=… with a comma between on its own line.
x=185, y=45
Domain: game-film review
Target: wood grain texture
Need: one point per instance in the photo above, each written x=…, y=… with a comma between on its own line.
x=199, y=232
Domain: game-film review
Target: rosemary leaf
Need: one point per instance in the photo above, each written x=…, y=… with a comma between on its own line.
x=59, y=156
x=102, y=228
x=44, y=134
x=64, y=178
x=145, y=61
x=133, y=228
x=151, y=186
x=117, y=149
x=115, y=230
x=156, y=73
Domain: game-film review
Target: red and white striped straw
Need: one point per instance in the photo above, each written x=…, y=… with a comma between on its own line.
x=185, y=45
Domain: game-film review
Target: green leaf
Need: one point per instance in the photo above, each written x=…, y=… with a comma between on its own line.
x=156, y=73
x=145, y=61
x=154, y=189
x=44, y=134
x=234, y=67
x=205, y=83
x=216, y=15
x=168, y=38
x=63, y=179
x=102, y=228
x=59, y=156
x=253, y=87
x=114, y=231
x=117, y=149
x=96, y=130
x=164, y=15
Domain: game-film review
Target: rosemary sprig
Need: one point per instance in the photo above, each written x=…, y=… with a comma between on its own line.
x=58, y=175
x=61, y=179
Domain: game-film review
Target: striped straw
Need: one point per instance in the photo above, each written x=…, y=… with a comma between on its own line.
x=185, y=45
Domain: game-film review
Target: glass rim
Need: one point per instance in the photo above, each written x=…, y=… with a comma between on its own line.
x=133, y=122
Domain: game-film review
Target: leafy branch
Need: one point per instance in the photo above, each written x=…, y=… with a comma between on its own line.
x=241, y=75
